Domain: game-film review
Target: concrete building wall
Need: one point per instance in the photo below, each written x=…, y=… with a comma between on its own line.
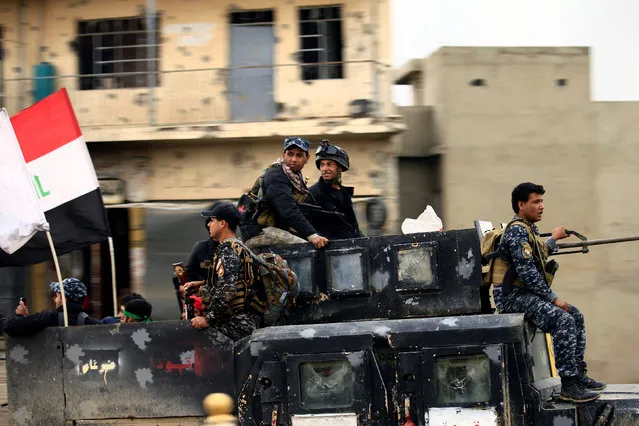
x=206, y=171
x=194, y=59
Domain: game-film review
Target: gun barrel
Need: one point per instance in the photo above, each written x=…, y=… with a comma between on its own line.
x=598, y=242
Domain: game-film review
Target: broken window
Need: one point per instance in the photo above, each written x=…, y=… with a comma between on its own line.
x=327, y=384
x=303, y=268
x=416, y=267
x=462, y=379
x=321, y=43
x=346, y=272
x=118, y=53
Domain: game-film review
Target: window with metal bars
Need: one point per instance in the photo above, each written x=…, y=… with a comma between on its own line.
x=118, y=53
x=321, y=42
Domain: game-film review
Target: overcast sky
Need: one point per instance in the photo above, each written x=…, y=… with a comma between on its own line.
x=609, y=27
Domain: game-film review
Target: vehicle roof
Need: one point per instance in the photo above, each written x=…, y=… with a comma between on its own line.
x=401, y=333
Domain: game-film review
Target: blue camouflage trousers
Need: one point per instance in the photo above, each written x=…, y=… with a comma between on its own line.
x=567, y=329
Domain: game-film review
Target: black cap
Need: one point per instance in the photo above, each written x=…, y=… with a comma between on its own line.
x=224, y=211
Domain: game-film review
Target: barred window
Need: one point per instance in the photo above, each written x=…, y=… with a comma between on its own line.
x=117, y=53
x=321, y=42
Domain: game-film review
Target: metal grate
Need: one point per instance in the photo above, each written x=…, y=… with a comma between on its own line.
x=117, y=53
x=321, y=42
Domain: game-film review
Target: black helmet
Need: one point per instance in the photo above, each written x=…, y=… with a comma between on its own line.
x=326, y=151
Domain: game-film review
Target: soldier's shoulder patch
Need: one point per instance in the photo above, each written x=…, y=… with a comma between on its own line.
x=526, y=251
x=219, y=268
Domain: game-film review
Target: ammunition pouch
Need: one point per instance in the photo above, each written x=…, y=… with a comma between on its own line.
x=550, y=270
x=503, y=274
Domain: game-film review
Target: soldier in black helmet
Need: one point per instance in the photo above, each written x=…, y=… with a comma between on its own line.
x=331, y=195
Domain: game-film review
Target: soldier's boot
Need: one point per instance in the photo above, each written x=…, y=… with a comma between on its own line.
x=590, y=383
x=573, y=391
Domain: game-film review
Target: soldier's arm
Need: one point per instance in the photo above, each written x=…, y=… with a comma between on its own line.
x=280, y=198
x=227, y=273
x=552, y=245
x=521, y=254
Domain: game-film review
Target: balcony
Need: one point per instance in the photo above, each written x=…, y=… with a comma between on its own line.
x=213, y=101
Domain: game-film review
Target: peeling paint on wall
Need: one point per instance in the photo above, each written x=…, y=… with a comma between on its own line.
x=144, y=376
x=19, y=354
x=74, y=353
x=141, y=337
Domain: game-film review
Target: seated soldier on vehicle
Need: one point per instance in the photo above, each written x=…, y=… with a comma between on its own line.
x=232, y=302
x=23, y=324
x=329, y=194
x=279, y=218
x=123, y=301
x=136, y=310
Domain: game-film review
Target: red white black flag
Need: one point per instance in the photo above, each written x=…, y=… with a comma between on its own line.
x=64, y=178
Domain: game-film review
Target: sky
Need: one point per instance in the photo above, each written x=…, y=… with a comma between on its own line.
x=609, y=27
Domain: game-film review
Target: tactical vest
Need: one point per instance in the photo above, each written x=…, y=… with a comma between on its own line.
x=498, y=267
x=267, y=216
x=246, y=296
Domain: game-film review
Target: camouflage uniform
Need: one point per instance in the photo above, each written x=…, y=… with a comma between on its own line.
x=229, y=281
x=534, y=299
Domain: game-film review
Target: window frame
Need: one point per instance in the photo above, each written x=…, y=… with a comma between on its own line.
x=323, y=66
x=496, y=372
x=108, y=53
x=361, y=384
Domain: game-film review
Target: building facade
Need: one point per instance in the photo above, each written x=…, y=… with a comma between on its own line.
x=487, y=118
x=185, y=102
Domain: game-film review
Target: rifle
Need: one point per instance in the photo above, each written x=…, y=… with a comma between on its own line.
x=318, y=209
x=585, y=243
x=179, y=279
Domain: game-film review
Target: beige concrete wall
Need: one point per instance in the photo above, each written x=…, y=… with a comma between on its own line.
x=520, y=127
x=613, y=294
x=206, y=171
x=418, y=139
x=193, y=76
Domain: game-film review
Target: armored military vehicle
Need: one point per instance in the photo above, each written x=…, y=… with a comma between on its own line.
x=388, y=331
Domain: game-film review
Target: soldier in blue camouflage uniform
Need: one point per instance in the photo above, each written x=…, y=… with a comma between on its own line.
x=231, y=302
x=532, y=295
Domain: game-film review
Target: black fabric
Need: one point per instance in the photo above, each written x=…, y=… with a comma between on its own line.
x=18, y=325
x=80, y=318
x=74, y=225
x=278, y=195
x=334, y=200
x=194, y=266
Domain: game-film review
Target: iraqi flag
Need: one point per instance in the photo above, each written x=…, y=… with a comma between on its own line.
x=64, y=179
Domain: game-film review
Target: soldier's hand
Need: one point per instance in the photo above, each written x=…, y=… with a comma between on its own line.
x=559, y=233
x=199, y=322
x=22, y=309
x=561, y=304
x=319, y=241
x=192, y=285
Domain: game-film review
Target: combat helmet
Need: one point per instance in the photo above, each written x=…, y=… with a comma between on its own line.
x=326, y=151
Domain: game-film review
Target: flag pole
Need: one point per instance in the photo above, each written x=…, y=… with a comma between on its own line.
x=57, y=270
x=113, y=284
